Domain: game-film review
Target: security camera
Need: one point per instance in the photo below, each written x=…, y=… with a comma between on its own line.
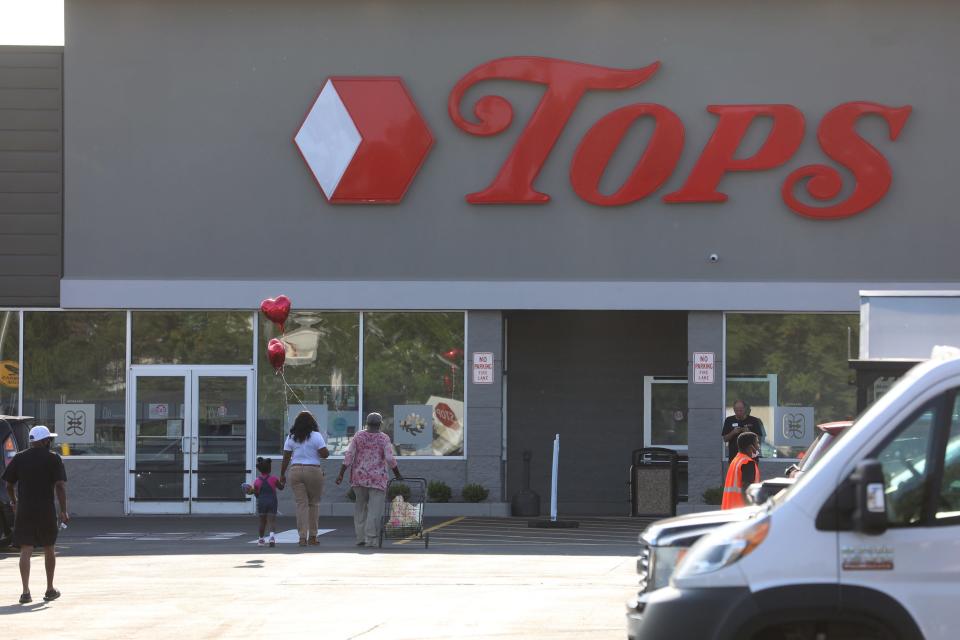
x=714, y=257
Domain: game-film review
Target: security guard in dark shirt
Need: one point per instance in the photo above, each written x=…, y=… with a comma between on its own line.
x=740, y=422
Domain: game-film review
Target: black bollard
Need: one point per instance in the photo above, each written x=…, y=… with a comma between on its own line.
x=525, y=503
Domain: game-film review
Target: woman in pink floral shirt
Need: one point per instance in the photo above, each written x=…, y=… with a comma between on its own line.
x=368, y=456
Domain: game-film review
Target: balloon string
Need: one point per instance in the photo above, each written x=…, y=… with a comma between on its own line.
x=288, y=387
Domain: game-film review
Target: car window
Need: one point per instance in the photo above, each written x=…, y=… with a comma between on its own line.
x=905, y=471
x=948, y=505
x=809, y=456
x=819, y=449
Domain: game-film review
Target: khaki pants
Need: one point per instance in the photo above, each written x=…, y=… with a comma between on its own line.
x=306, y=482
x=366, y=513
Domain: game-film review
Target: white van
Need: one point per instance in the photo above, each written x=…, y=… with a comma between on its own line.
x=867, y=545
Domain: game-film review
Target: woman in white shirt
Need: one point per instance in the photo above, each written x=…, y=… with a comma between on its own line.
x=302, y=452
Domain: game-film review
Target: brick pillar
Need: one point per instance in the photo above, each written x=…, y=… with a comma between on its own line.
x=485, y=404
x=705, y=403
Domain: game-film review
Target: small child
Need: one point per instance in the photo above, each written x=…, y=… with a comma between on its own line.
x=265, y=487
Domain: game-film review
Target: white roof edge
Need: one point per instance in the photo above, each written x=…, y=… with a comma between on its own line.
x=944, y=352
x=774, y=297
x=907, y=293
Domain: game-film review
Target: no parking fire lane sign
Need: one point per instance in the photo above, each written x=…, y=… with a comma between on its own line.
x=703, y=367
x=482, y=367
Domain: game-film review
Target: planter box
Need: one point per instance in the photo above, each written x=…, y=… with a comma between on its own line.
x=477, y=509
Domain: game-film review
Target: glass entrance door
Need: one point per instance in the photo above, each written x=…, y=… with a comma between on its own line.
x=190, y=440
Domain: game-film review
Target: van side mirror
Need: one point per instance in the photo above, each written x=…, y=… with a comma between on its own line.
x=870, y=512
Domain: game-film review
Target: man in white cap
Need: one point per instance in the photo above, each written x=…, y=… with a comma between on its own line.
x=33, y=477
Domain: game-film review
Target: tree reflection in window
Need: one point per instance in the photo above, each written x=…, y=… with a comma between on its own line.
x=322, y=369
x=9, y=362
x=417, y=359
x=77, y=357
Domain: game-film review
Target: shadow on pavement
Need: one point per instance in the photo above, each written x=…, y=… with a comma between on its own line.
x=22, y=608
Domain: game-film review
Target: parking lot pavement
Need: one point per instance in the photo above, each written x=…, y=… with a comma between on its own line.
x=197, y=578
x=600, y=536
x=215, y=535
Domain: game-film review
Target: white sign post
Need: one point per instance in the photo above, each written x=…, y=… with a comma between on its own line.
x=553, y=478
x=482, y=367
x=703, y=367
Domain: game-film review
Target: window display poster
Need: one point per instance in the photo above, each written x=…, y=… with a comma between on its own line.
x=74, y=423
x=792, y=427
x=174, y=429
x=342, y=424
x=448, y=426
x=319, y=412
x=9, y=374
x=158, y=411
x=413, y=427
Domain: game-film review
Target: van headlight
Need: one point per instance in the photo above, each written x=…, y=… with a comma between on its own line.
x=721, y=549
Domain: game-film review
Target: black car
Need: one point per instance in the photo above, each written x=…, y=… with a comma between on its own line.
x=13, y=438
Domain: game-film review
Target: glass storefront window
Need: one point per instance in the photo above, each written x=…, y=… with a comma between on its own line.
x=191, y=337
x=322, y=371
x=793, y=372
x=9, y=362
x=413, y=375
x=665, y=412
x=74, y=378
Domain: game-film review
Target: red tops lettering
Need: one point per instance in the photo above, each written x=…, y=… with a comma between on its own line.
x=565, y=84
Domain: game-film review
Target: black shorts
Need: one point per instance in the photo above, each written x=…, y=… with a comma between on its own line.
x=35, y=531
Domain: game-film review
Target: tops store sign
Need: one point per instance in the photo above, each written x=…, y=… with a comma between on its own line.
x=365, y=140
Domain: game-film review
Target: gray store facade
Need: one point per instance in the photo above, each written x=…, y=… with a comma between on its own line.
x=633, y=245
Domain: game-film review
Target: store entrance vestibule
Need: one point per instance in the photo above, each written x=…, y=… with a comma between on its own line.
x=190, y=439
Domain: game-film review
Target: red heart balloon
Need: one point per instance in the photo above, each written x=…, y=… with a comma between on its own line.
x=276, y=309
x=276, y=353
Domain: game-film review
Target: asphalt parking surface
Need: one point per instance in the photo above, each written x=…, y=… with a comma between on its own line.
x=204, y=577
x=593, y=536
x=215, y=535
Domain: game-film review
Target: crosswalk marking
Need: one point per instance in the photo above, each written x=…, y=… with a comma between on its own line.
x=149, y=536
x=292, y=536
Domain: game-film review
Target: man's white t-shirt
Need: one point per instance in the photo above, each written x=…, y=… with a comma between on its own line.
x=305, y=452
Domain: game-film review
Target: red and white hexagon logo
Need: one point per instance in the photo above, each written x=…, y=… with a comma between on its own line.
x=364, y=140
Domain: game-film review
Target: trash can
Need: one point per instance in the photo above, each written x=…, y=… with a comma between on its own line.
x=653, y=482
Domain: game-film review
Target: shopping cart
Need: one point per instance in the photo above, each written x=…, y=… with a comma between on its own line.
x=403, y=519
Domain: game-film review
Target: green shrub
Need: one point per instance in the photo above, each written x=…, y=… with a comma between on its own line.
x=438, y=491
x=475, y=493
x=713, y=495
x=398, y=489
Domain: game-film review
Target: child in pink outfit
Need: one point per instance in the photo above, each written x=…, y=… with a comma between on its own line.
x=265, y=487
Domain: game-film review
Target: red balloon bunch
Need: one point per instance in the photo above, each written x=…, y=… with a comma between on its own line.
x=277, y=310
x=276, y=353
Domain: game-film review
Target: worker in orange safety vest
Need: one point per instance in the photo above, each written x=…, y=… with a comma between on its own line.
x=742, y=472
